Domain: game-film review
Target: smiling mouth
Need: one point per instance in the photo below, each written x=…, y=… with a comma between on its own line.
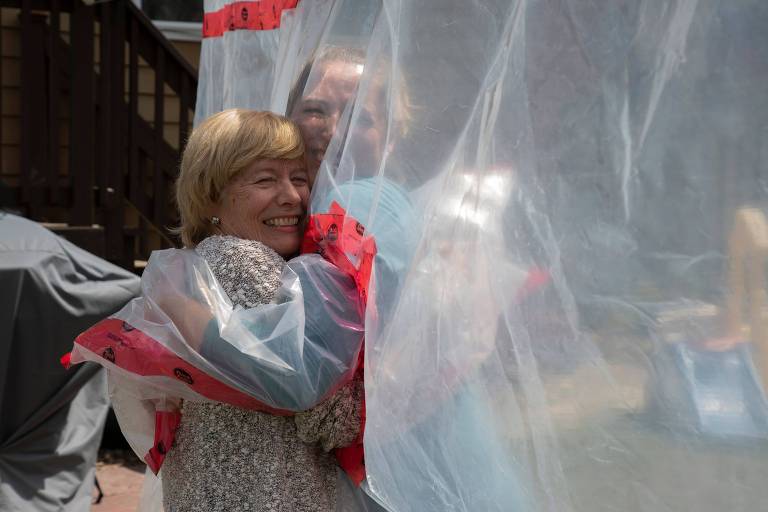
x=282, y=221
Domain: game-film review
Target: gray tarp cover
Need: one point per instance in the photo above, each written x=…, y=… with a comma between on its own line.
x=51, y=419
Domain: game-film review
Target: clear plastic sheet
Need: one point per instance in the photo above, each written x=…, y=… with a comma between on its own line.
x=569, y=201
x=237, y=59
x=569, y=205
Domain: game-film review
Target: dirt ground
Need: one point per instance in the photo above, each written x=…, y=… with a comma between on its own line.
x=120, y=474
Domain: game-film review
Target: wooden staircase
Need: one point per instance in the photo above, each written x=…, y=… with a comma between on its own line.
x=94, y=166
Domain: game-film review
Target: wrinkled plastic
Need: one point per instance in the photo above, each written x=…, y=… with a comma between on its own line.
x=569, y=201
x=569, y=205
x=294, y=372
x=237, y=57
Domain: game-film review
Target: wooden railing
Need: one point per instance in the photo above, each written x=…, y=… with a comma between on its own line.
x=115, y=194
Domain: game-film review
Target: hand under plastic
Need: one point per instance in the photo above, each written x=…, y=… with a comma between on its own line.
x=189, y=316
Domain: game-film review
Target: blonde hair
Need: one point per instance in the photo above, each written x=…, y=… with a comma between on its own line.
x=218, y=149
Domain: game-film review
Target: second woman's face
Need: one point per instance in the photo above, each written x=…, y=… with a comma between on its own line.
x=267, y=202
x=329, y=90
x=317, y=113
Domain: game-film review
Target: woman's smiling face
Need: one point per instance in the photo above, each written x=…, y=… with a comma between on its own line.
x=266, y=202
x=330, y=87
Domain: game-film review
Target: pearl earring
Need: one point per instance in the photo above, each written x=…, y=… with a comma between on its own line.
x=215, y=221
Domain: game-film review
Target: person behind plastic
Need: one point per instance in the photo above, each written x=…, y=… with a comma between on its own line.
x=320, y=96
x=320, y=103
x=330, y=87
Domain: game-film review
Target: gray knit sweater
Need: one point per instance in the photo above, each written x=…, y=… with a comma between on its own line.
x=228, y=459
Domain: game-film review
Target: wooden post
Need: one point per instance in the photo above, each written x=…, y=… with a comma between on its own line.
x=82, y=115
x=114, y=119
x=183, y=112
x=159, y=199
x=34, y=118
x=135, y=163
x=54, y=90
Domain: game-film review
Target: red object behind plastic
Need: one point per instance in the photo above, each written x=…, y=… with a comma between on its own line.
x=134, y=351
x=337, y=238
x=262, y=15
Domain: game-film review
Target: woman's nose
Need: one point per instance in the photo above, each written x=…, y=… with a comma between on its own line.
x=331, y=121
x=288, y=194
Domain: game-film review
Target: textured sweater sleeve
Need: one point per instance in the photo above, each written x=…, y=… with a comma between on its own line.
x=335, y=422
x=248, y=270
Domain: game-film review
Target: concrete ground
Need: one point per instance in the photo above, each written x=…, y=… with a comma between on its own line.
x=120, y=475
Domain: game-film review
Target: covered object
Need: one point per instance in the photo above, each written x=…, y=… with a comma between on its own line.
x=51, y=419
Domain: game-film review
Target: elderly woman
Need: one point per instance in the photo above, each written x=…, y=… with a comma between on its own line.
x=242, y=194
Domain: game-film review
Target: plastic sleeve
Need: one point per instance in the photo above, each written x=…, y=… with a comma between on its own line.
x=331, y=336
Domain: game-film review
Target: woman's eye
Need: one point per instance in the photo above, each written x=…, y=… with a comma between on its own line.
x=264, y=181
x=300, y=180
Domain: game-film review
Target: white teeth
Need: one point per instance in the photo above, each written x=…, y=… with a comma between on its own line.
x=282, y=221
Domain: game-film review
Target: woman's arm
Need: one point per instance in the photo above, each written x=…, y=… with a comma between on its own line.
x=335, y=422
x=190, y=317
x=305, y=345
x=290, y=354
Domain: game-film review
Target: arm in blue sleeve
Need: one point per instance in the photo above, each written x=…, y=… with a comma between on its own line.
x=308, y=359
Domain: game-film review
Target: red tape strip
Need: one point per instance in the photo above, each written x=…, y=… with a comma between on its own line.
x=166, y=424
x=338, y=238
x=134, y=351
x=261, y=15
